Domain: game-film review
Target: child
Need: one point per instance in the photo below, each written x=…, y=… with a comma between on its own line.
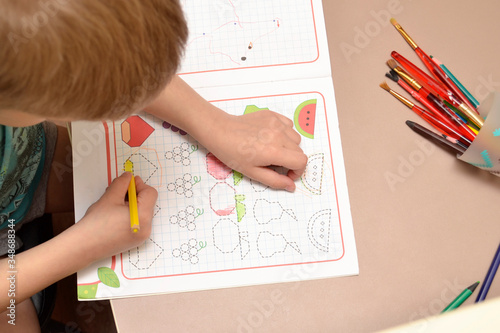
x=62, y=61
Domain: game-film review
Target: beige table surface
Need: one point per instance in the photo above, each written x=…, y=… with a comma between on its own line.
x=421, y=240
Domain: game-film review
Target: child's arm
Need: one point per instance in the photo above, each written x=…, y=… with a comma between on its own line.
x=103, y=231
x=247, y=143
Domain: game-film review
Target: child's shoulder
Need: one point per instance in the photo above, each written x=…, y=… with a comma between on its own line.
x=21, y=163
x=20, y=142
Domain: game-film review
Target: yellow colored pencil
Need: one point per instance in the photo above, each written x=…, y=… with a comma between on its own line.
x=132, y=199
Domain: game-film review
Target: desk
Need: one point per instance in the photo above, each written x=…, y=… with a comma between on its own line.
x=419, y=244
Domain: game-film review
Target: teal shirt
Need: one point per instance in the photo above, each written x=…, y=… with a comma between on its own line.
x=22, y=153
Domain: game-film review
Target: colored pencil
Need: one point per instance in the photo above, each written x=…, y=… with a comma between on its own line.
x=461, y=298
x=464, y=90
x=489, y=277
x=132, y=199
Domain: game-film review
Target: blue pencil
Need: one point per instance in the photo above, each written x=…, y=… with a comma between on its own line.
x=489, y=277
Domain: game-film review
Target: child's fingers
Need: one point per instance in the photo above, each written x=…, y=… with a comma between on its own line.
x=119, y=187
x=294, y=175
x=272, y=178
x=290, y=159
x=146, y=194
x=285, y=120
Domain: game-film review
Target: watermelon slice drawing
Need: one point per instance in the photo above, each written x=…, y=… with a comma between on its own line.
x=318, y=229
x=304, y=118
x=312, y=178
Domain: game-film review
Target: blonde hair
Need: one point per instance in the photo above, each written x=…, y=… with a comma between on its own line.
x=87, y=59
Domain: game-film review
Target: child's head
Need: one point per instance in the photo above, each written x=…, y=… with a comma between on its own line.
x=87, y=59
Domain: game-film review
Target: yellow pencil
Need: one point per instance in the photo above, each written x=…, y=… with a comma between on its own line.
x=132, y=199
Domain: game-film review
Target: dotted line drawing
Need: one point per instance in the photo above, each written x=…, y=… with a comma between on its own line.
x=184, y=185
x=216, y=168
x=241, y=208
x=181, y=154
x=258, y=187
x=188, y=251
x=227, y=237
x=154, y=167
x=318, y=229
x=237, y=177
x=312, y=179
x=265, y=238
x=186, y=218
x=265, y=211
x=137, y=263
x=222, y=199
x=157, y=210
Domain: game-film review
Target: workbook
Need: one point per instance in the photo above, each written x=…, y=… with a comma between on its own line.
x=213, y=227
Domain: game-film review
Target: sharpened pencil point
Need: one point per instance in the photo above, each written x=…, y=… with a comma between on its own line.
x=473, y=287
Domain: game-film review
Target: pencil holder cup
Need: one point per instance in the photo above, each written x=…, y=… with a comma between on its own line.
x=484, y=152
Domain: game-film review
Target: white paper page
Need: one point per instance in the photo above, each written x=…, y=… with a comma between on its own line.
x=236, y=42
x=213, y=229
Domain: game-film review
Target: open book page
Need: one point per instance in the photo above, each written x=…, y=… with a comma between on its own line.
x=213, y=227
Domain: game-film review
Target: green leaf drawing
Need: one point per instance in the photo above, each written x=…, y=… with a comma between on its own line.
x=237, y=177
x=108, y=277
x=252, y=109
x=87, y=291
x=240, y=210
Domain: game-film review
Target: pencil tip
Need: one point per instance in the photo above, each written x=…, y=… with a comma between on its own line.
x=439, y=63
x=473, y=287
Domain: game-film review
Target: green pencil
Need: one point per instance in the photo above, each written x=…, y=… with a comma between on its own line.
x=461, y=298
x=459, y=85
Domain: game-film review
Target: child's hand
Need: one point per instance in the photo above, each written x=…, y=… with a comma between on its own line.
x=248, y=143
x=107, y=222
x=252, y=142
